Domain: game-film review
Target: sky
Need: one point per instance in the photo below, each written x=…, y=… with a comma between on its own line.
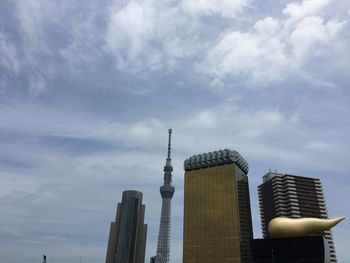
x=89, y=88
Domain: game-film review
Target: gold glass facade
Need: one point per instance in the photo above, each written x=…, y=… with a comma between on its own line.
x=214, y=231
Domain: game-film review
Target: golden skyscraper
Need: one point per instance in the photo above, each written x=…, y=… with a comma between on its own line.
x=217, y=216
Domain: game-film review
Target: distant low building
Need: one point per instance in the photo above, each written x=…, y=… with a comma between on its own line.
x=127, y=236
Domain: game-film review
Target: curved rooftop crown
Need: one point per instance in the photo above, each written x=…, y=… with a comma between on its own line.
x=215, y=158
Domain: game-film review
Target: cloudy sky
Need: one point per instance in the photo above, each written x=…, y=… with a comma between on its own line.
x=89, y=88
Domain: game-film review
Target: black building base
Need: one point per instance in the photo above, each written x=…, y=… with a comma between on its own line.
x=309, y=249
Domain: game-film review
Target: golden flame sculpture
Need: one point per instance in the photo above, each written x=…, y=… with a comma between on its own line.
x=296, y=227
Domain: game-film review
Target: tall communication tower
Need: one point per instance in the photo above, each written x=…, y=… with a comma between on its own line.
x=167, y=192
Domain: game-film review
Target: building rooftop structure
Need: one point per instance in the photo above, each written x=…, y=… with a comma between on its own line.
x=216, y=158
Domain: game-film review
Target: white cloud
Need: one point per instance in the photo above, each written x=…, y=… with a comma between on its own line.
x=153, y=36
x=149, y=35
x=319, y=146
x=85, y=37
x=245, y=127
x=217, y=84
x=227, y=9
x=268, y=26
x=30, y=16
x=36, y=54
x=9, y=57
x=311, y=32
x=129, y=30
x=65, y=124
x=24, y=186
x=231, y=126
x=204, y=119
x=271, y=116
x=273, y=47
x=33, y=16
x=16, y=187
x=299, y=9
x=144, y=130
x=37, y=84
x=259, y=54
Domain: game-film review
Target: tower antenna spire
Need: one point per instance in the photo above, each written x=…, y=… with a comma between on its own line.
x=169, y=142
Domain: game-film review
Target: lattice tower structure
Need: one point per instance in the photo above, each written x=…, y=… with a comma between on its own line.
x=167, y=192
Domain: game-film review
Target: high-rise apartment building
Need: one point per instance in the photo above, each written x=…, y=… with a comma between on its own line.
x=217, y=216
x=295, y=197
x=127, y=236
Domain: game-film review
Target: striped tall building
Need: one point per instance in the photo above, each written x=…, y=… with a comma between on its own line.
x=294, y=197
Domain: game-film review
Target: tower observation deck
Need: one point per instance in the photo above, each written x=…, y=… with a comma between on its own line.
x=167, y=192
